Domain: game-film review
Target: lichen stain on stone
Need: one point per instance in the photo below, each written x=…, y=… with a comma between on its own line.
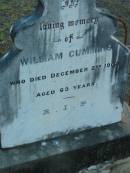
x=29, y=41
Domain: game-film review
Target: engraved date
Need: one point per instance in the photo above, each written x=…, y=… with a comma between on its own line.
x=70, y=3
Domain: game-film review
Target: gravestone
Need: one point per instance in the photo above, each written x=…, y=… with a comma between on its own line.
x=65, y=73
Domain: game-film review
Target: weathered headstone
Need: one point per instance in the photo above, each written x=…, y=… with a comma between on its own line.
x=65, y=73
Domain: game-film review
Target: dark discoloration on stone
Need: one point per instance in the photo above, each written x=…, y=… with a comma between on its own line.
x=8, y=108
x=69, y=153
x=24, y=34
x=77, y=149
x=27, y=21
x=9, y=67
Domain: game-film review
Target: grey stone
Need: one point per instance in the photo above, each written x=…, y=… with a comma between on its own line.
x=106, y=171
x=65, y=73
x=94, y=167
x=120, y=166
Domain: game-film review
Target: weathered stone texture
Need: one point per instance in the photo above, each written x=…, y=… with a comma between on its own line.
x=120, y=166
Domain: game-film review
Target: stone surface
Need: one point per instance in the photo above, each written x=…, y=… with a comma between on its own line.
x=120, y=166
x=126, y=113
x=70, y=152
x=65, y=73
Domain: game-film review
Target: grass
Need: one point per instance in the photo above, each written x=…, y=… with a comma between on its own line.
x=10, y=11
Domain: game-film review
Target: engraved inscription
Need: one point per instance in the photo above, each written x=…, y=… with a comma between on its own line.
x=65, y=72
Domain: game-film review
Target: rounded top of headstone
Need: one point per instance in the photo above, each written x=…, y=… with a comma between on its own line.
x=67, y=4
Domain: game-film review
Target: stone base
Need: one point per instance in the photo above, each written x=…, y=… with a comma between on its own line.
x=120, y=166
x=69, y=154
